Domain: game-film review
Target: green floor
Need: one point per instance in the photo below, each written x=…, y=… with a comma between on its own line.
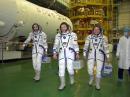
x=16, y=81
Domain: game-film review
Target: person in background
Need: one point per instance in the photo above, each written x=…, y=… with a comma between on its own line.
x=39, y=40
x=123, y=53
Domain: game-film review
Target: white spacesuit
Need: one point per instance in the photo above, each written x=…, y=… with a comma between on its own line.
x=39, y=48
x=96, y=46
x=66, y=47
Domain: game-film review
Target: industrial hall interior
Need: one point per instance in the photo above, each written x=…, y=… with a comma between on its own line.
x=64, y=48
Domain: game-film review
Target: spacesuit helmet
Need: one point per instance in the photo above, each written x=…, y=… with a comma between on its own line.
x=64, y=27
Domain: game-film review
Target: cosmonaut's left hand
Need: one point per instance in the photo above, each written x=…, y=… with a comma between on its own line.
x=77, y=56
x=108, y=60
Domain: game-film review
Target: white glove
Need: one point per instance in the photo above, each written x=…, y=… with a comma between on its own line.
x=84, y=54
x=117, y=57
x=23, y=46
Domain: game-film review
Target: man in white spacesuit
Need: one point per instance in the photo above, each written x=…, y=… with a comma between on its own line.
x=39, y=40
x=96, y=46
x=123, y=53
x=66, y=50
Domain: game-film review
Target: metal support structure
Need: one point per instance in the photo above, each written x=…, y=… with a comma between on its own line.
x=2, y=51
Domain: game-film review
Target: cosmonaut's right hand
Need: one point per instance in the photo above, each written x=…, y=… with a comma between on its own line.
x=55, y=56
x=84, y=54
x=117, y=57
